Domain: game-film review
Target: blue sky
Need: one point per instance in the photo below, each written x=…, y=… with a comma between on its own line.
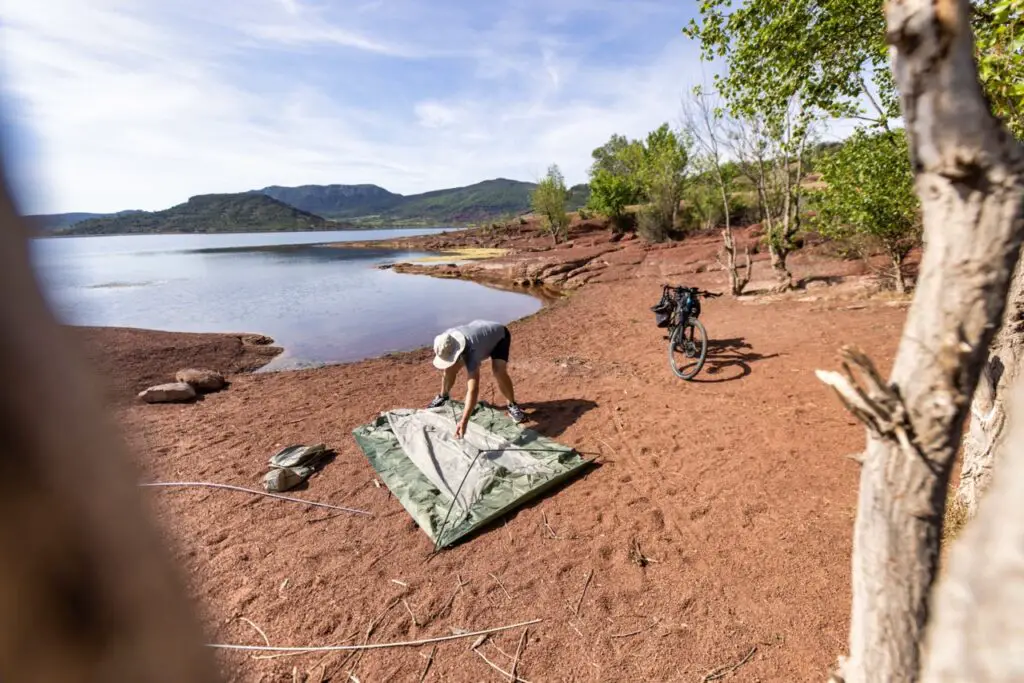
x=115, y=104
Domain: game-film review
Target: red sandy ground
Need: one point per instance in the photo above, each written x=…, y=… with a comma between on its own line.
x=735, y=486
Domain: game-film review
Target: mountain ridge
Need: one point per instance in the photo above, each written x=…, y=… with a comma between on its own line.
x=208, y=213
x=342, y=206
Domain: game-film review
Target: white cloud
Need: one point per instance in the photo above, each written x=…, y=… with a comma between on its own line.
x=141, y=104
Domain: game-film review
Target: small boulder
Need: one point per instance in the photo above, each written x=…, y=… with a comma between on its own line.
x=201, y=380
x=177, y=392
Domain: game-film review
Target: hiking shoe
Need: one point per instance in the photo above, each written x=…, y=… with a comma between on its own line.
x=438, y=401
x=516, y=413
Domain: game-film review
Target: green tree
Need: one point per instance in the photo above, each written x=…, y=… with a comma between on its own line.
x=666, y=154
x=709, y=126
x=870, y=195
x=610, y=194
x=615, y=179
x=772, y=152
x=999, y=48
x=821, y=51
x=548, y=200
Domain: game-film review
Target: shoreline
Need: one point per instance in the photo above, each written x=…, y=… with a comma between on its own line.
x=48, y=235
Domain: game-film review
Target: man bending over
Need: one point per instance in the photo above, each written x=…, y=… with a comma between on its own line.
x=468, y=346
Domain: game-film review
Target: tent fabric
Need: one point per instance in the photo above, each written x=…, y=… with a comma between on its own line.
x=452, y=487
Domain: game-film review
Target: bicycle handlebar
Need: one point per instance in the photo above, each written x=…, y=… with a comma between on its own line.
x=694, y=290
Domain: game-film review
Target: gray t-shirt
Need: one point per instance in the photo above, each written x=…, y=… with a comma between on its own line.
x=481, y=338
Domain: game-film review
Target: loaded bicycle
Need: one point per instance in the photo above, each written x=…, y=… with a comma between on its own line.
x=678, y=311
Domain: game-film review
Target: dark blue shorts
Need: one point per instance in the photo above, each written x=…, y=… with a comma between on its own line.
x=501, y=350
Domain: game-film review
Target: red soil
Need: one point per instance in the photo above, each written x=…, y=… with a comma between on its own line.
x=735, y=486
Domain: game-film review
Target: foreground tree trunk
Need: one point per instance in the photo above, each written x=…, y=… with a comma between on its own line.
x=969, y=177
x=988, y=414
x=87, y=591
x=977, y=624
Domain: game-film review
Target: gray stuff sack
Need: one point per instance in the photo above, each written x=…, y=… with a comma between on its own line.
x=293, y=465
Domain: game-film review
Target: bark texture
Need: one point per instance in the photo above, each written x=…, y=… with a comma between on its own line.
x=87, y=592
x=977, y=625
x=739, y=276
x=986, y=432
x=968, y=174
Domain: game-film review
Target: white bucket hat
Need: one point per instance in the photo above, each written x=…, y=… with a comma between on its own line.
x=448, y=346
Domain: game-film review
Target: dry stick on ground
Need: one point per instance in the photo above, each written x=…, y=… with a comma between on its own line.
x=723, y=671
x=377, y=646
x=242, y=489
x=409, y=610
x=550, y=530
x=519, y=652
x=430, y=660
x=514, y=679
x=357, y=655
x=586, y=584
x=500, y=585
x=258, y=629
x=969, y=177
x=448, y=603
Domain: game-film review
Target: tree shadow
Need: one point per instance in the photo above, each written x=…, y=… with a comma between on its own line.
x=552, y=418
x=728, y=360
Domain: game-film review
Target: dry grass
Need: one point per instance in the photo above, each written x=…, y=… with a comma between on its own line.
x=463, y=254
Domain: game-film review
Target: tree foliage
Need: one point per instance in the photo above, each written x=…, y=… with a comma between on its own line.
x=666, y=154
x=615, y=178
x=870, y=195
x=548, y=200
x=821, y=50
x=812, y=49
x=999, y=45
x=650, y=171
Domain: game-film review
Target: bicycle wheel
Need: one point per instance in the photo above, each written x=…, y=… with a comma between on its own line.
x=687, y=348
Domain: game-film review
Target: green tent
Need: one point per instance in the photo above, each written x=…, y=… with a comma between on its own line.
x=452, y=487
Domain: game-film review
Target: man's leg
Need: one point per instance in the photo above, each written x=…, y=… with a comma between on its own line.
x=447, y=382
x=500, y=369
x=499, y=366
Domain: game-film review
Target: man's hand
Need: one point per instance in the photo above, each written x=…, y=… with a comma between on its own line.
x=460, y=429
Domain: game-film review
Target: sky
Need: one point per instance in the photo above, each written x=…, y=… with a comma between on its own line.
x=140, y=104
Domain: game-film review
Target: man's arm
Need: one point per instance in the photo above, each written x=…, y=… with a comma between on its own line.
x=472, y=392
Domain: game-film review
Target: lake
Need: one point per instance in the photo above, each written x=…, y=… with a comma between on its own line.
x=322, y=304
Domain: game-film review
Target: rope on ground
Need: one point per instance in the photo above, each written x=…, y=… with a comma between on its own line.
x=376, y=646
x=254, y=492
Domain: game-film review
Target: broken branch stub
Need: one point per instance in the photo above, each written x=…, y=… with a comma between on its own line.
x=969, y=176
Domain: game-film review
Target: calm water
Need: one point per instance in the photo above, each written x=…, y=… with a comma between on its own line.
x=322, y=304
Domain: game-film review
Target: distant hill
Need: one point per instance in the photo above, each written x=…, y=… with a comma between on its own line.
x=484, y=201
x=58, y=221
x=335, y=201
x=208, y=213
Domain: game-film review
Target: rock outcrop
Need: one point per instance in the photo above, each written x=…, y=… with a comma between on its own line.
x=203, y=381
